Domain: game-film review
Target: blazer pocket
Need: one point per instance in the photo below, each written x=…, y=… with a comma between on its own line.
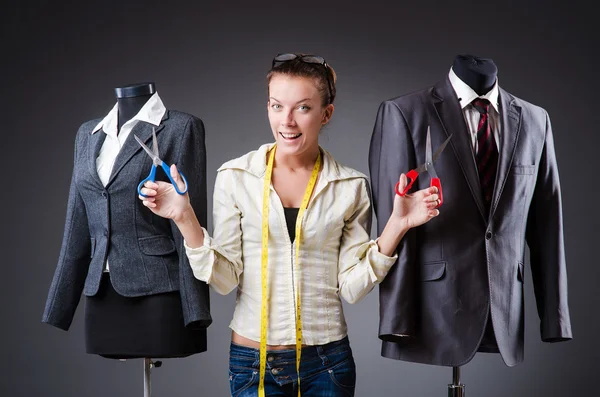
x=523, y=169
x=156, y=245
x=433, y=270
x=520, y=272
x=92, y=247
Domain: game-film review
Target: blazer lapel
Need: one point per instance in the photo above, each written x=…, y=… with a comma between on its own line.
x=452, y=119
x=95, y=144
x=510, y=128
x=130, y=147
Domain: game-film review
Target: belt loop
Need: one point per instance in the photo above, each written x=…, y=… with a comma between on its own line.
x=322, y=355
x=256, y=363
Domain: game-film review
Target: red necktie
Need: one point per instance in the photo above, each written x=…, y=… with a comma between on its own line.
x=487, y=152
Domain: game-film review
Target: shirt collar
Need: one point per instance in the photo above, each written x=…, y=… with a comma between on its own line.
x=256, y=163
x=152, y=112
x=467, y=95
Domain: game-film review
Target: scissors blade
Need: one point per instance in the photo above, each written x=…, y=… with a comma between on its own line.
x=150, y=152
x=154, y=142
x=441, y=149
x=422, y=168
x=428, y=155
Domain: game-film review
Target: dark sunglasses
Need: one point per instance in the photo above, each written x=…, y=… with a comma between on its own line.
x=314, y=59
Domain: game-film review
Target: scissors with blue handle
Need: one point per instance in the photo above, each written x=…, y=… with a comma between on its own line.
x=156, y=162
x=430, y=158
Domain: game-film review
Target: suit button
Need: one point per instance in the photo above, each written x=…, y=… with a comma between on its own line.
x=270, y=358
x=106, y=233
x=488, y=235
x=104, y=194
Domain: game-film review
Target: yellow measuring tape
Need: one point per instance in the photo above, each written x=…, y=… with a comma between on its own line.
x=265, y=261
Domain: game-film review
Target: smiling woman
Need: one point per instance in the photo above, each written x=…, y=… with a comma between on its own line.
x=296, y=116
x=294, y=237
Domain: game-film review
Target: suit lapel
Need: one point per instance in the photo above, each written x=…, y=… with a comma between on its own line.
x=510, y=128
x=130, y=147
x=453, y=121
x=95, y=144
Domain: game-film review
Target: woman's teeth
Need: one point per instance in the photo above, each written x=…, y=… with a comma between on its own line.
x=289, y=136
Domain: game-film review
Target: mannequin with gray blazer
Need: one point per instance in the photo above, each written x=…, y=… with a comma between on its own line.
x=460, y=277
x=147, y=303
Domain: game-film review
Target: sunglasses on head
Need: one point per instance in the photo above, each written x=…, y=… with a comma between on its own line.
x=313, y=59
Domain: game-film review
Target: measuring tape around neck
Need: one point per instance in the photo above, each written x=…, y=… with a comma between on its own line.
x=264, y=265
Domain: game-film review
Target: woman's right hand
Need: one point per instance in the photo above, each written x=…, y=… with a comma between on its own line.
x=163, y=199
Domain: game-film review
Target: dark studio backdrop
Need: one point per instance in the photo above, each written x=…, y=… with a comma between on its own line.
x=61, y=63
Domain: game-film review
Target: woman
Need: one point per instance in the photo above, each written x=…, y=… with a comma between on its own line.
x=298, y=332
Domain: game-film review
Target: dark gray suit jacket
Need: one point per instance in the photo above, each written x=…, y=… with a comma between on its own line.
x=145, y=252
x=454, y=270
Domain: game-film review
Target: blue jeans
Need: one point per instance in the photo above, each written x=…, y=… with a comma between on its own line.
x=325, y=371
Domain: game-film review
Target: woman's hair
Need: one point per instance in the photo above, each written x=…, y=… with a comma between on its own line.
x=322, y=73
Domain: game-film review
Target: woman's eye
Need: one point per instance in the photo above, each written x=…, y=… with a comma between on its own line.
x=276, y=106
x=304, y=108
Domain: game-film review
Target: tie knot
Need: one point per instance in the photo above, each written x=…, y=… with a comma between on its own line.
x=482, y=105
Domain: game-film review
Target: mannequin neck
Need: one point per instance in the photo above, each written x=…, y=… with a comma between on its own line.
x=130, y=99
x=478, y=73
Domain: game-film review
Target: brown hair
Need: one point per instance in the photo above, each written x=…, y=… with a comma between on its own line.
x=324, y=75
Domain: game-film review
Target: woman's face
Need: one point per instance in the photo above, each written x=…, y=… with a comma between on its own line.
x=296, y=114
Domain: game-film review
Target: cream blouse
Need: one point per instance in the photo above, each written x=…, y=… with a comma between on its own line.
x=337, y=257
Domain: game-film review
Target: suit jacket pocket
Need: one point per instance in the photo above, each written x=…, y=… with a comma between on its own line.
x=156, y=245
x=523, y=169
x=433, y=270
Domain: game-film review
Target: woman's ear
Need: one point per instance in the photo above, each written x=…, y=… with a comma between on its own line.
x=327, y=114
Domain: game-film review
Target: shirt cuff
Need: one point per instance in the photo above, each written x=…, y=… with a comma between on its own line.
x=378, y=264
x=201, y=258
x=206, y=244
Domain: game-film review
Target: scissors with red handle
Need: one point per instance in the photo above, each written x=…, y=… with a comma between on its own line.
x=430, y=158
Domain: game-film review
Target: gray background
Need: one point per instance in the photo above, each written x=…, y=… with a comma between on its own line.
x=60, y=64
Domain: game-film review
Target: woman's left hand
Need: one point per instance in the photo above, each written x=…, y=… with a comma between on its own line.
x=417, y=208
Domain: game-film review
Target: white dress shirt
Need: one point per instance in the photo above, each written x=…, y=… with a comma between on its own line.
x=337, y=257
x=465, y=96
x=152, y=112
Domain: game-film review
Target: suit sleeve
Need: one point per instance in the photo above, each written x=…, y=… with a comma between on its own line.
x=391, y=152
x=192, y=162
x=74, y=259
x=546, y=244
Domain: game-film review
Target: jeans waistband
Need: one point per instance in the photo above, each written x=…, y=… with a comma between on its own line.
x=307, y=351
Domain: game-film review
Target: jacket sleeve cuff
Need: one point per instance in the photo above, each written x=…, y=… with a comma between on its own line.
x=556, y=331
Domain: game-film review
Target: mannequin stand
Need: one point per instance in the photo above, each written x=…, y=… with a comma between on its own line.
x=456, y=389
x=148, y=365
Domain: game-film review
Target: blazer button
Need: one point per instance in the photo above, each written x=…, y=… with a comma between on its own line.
x=106, y=233
x=104, y=194
x=488, y=235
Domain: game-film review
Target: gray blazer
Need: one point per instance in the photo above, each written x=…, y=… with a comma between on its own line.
x=454, y=270
x=145, y=252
